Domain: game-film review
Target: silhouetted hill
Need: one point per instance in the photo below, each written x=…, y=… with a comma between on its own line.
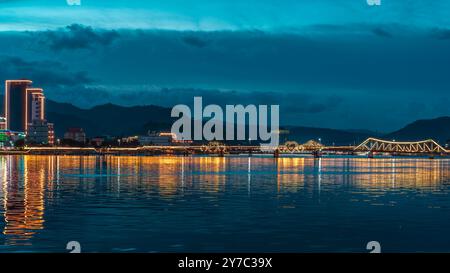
x=365, y=131
x=437, y=129
x=327, y=136
x=108, y=119
x=115, y=120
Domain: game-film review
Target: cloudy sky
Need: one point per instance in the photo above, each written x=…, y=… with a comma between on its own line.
x=338, y=64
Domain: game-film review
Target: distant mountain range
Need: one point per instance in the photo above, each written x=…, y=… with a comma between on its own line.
x=108, y=119
x=437, y=129
x=115, y=120
x=302, y=134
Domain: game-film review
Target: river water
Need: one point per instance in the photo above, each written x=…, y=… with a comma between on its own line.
x=223, y=204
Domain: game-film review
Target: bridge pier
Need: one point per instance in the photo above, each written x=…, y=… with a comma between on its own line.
x=317, y=154
x=276, y=153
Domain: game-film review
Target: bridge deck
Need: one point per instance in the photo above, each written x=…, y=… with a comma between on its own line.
x=371, y=145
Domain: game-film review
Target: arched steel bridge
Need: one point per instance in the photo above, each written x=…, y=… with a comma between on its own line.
x=428, y=146
x=371, y=145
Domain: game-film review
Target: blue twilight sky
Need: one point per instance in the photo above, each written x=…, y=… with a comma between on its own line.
x=328, y=63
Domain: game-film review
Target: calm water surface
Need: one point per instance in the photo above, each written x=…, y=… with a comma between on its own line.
x=212, y=204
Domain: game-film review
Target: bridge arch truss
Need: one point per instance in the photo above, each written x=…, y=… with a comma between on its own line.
x=378, y=145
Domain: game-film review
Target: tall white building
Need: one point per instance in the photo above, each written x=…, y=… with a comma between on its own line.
x=36, y=104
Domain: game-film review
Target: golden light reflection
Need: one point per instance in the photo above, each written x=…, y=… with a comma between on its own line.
x=291, y=172
x=213, y=173
x=390, y=173
x=368, y=174
x=23, y=200
x=29, y=183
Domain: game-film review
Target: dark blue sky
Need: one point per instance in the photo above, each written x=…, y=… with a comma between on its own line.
x=338, y=64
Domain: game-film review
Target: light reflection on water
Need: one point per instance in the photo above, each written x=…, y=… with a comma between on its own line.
x=214, y=204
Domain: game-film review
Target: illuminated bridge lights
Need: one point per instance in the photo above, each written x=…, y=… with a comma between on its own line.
x=378, y=145
x=370, y=145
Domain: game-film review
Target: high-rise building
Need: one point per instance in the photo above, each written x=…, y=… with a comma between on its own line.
x=16, y=104
x=25, y=112
x=36, y=104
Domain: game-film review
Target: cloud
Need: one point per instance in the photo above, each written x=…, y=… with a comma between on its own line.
x=77, y=36
x=381, y=33
x=222, y=14
x=46, y=73
x=330, y=76
x=81, y=95
x=311, y=104
x=291, y=104
x=195, y=41
x=441, y=34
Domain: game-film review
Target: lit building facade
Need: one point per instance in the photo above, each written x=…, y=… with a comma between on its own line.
x=161, y=139
x=75, y=134
x=2, y=123
x=154, y=141
x=8, y=138
x=36, y=104
x=41, y=132
x=16, y=104
x=25, y=112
